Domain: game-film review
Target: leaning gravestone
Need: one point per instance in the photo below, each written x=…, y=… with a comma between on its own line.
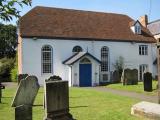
x=21, y=77
x=23, y=112
x=130, y=77
x=57, y=100
x=24, y=98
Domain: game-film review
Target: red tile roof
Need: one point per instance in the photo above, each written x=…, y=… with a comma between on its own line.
x=46, y=22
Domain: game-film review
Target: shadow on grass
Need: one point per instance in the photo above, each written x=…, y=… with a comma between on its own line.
x=37, y=105
x=77, y=106
x=3, y=102
x=7, y=97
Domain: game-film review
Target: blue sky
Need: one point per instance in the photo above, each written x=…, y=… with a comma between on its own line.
x=132, y=8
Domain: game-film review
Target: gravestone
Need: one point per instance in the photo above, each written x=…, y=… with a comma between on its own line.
x=57, y=100
x=21, y=77
x=1, y=87
x=26, y=92
x=150, y=111
x=23, y=112
x=115, y=77
x=147, y=82
x=25, y=96
x=130, y=77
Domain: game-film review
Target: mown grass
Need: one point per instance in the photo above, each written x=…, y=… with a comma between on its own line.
x=85, y=104
x=134, y=88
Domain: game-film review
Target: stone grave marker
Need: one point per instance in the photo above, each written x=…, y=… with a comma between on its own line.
x=26, y=92
x=116, y=78
x=148, y=110
x=24, y=98
x=57, y=100
x=23, y=112
x=1, y=87
x=130, y=77
x=21, y=77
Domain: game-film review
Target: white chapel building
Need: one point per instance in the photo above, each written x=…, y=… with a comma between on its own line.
x=82, y=46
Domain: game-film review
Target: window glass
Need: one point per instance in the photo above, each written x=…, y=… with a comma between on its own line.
x=77, y=49
x=104, y=58
x=46, y=59
x=143, y=50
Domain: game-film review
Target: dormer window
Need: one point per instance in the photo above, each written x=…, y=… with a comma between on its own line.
x=137, y=29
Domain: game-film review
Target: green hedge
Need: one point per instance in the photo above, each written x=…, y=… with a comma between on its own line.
x=6, y=64
x=14, y=71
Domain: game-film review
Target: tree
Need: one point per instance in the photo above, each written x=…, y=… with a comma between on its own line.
x=8, y=8
x=119, y=65
x=8, y=40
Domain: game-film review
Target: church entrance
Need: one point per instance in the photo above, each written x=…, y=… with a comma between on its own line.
x=85, y=73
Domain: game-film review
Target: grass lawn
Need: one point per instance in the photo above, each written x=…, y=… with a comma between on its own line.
x=85, y=104
x=134, y=88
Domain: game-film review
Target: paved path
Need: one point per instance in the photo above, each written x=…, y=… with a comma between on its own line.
x=10, y=84
x=139, y=96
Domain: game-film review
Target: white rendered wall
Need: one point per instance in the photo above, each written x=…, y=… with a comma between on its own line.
x=62, y=49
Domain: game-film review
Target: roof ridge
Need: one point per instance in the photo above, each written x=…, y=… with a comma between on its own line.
x=82, y=10
x=158, y=20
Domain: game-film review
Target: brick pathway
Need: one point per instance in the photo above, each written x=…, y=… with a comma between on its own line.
x=140, y=96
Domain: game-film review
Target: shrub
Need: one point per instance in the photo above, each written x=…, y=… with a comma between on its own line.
x=14, y=71
x=119, y=66
x=6, y=64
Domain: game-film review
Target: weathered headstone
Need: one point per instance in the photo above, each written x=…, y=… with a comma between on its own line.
x=151, y=111
x=130, y=77
x=26, y=92
x=115, y=77
x=21, y=77
x=57, y=100
x=147, y=81
x=25, y=96
x=23, y=112
x=1, y=87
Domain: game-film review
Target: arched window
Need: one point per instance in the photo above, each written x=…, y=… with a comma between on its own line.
x=77, y=49
x=47, y=59
x=104, y=59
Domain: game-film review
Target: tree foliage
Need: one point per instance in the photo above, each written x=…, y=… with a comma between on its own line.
x=6, y=64
x=8, y=8
x=119, y=65
x=8, y=40
x=14, y=70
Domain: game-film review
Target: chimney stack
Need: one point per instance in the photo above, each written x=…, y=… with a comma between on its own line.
x=144, y=20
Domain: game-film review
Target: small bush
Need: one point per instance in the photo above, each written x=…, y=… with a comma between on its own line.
x=14, y=71
x=6, y=64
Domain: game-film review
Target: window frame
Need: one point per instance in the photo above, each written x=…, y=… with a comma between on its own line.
x=45, y=62
x=138, y=29
x=104, y=59
x=77, y=49
x=143, y=49
x=142, y=68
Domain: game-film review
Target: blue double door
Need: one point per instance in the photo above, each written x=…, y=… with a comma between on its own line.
x=85, y=75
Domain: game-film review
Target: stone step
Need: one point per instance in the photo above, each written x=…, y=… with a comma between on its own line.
x=147, y=110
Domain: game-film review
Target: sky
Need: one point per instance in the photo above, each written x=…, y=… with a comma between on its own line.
x=132, y=8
